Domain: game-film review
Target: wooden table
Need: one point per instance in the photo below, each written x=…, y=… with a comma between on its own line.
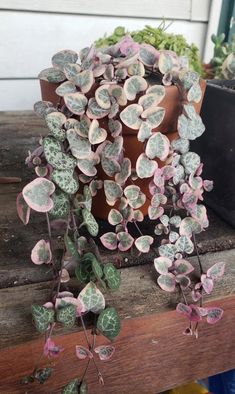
x=151, y=355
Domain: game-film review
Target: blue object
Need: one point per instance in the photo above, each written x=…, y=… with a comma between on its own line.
x=223, y=383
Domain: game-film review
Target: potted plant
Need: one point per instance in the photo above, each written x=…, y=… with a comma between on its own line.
x=216, y=147
x=120, y=122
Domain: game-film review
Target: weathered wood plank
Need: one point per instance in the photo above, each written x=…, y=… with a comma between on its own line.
x=151, y=355
x=138, y=296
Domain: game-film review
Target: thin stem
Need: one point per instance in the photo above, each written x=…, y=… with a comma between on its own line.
x=48, y=226
x=182, y=292
x=198, y=256
x=85, y=332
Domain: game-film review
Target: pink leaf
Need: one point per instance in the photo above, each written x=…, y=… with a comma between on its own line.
x=82, y=353
x=167, y=282
x=69, y=299
x=37, y=194
x=23, y=209
x=183, y=281
x=125, y=241
x=196, y=295
x=109, y=240
x=203, y=311
x=105, y=352
x=162, y=264
x=195, y=315
x=207, y=284
x=51, y=349
x=41, y=253
x=183, y=267
x=214, y=315
x=64, y=276
x=208, y=185
x=184, y=309
x=216, y=271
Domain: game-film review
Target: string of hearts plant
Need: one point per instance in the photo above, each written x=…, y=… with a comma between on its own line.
x=106, y=92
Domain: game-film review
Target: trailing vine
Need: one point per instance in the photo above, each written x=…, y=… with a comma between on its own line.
x=108, y=91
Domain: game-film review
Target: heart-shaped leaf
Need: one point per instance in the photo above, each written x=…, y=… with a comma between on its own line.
x=130, y=116
x=96, y=134
x=162, y=264
x=55, y=121
x=23, y=209
x=109, y=240
x=216, y=271
x=112, y=190
x=41, y=253
x=82, y=127
x=143, y=243
x=158, y=199
x=191, y=162
x=167, y=250
x=72, y=387
x=114, y=217
x=125, y=171
x=91, y=223
x=148, y=55
x=65, y=180
x=183, y=267
x=136, y=68
x=43, y=108
x=87, y=166
x=92, y=298
x=42, y=317
x=110, y=166
x=105, y=352
x=155, y=212
x=157, y=90
x=180, y=145
x=80, y=147
x=114, y=149
x=125, y=241
x=144, y=167
x=188, y=226
x=37, y=194
x=52, y=75
x=54, y=155
x=214, y=315
x=84, y=80
x=190, y=128
x=184, y=309
x=62, y=57
x=66, y=315
x=109, y=323
x=132, y=192
x=118, y=93
x=207, y=284
x=149, y=100
x=71, y=71
x=165, y=63
x=84, y=271
x=195, y=93
x=60, y=208
x=66, y=87
x=115, y=127
x=82, y=352
x=102, y=97
x=145, y=131
x=112, y=276
x=158, y=146
x=94, y=111
x=76, y=102
x=184, y=244
x=167, y=282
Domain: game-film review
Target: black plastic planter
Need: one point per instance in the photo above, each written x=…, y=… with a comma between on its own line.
x=217, y=146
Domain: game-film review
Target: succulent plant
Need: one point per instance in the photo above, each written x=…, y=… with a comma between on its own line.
x=223, y=61
x=107, y=91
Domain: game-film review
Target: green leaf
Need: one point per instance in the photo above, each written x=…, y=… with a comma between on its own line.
x=55, y=121
x=66, y=87
x=97, y=269
x=184, y=244
x=55, y=156
x=84, y=80
x=158, y=145
x=181, y=145
x=114, y=217
x=92, y=298
x=37, y=194
x=145, y=131
x=80, y=147
x=84, y=270
x=109, y=323
x=94, y=111
x=112, y=276
x=42, y=375
x=91, y=223
x=72, y=387
x=83, y=388
x=52, y=75
x=66, y=315
x=76, y=102
x=114, y=149
x=71, y=248
x=102, y=96
x=62, y=57
x=71, y=71
x=42, y=317
x=96, y=134
x=167, y=250
x=191, y=162
x=153, y=116
x=110, y=166
x=130, y=116
x=112, y=190
x=60, y=208
x=190, y=128
x=143, y=243
x=145, y=168
x=65, y=180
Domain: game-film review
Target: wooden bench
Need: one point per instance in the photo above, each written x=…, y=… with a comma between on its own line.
x=151, y=355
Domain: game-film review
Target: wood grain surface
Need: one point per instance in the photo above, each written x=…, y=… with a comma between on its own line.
x=151, y=355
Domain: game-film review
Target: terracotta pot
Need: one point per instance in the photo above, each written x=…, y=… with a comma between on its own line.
x=132, y=147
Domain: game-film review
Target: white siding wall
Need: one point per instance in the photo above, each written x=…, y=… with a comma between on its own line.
x=32, y=31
